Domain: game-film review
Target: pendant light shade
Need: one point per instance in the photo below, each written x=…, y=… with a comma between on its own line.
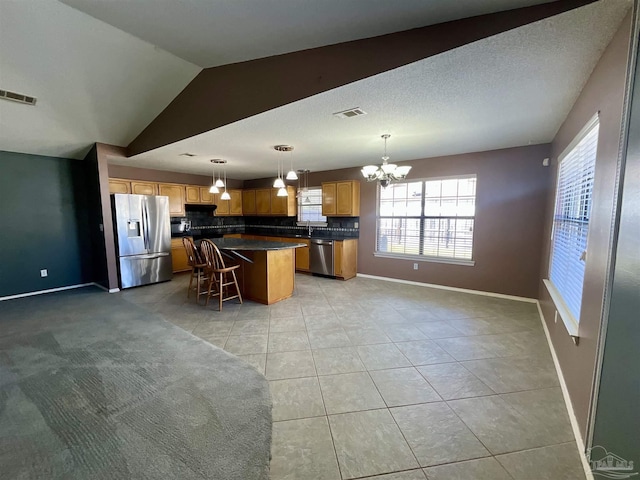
x=291, y=175
x=225, y=196
x=279, y=183
x=219, y=183
x=214, y=189
x=282, y=192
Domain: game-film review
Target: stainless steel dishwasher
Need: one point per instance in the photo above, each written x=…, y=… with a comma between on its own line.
x=321, y=256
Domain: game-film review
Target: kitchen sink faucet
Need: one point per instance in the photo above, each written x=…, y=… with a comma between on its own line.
x=309, y=227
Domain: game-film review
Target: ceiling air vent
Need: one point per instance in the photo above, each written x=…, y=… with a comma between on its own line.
x=352, y=112
x=17, y=97
x=187, y=154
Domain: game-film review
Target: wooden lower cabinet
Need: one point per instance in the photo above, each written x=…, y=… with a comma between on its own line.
x=302, y=255
x=179, y=257
x=345, y=258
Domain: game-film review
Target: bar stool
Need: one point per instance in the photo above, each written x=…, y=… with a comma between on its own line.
x=197, y=267
x=219, y=274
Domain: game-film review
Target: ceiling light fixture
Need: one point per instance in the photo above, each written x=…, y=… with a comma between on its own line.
x=387, y=172
x=279, y=183
x=219, y=183
x=291, y=175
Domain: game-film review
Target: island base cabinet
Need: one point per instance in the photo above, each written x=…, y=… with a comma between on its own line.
x=179, y=259
x=270, y=278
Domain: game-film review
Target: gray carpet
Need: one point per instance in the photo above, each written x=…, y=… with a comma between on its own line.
x=93, y=387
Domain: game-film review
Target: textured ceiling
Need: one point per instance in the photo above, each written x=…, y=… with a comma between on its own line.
x=93, y=82
x=509, y=90
x=217, y=32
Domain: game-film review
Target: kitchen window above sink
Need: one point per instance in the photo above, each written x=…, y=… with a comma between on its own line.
x=310, y=207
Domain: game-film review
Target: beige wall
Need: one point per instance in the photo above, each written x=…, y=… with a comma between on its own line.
x=604, y=92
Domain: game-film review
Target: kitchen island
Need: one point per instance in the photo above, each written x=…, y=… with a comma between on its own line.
x=267, y=269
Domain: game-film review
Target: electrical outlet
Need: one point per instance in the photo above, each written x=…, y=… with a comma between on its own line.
x=415, y=266
x=44, y=273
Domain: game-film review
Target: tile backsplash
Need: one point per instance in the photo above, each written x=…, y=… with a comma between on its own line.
x=203, y=224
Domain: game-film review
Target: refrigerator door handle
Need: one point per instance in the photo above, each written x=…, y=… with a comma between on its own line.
x=150, y=256
x=145, y=224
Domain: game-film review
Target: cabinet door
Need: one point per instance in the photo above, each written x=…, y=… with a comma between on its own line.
x=192, y=194
x=344, y=197
x=179, y=259
x=302, y=256
x=263, y=201
x=235, y=204
x=329, y=199
x=144, y=188
x=337, y=258
x=223, y=205
x=206, y=196
x=119, y=186
x=248, y=202
x=176, y=198
x=278, y=204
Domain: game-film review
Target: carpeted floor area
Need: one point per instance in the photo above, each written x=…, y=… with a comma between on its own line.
x=122, y=394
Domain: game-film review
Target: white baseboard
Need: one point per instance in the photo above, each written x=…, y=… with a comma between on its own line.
x=102, y=287
x=567, y=400
x=454, y=289
x=50, y=290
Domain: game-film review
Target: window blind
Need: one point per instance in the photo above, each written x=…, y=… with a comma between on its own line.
x=574, y=192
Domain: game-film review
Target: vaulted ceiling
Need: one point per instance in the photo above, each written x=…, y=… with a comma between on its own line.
x=103, y=71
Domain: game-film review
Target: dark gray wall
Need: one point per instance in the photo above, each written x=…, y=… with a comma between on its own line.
x=617, y=422
x=43, y=223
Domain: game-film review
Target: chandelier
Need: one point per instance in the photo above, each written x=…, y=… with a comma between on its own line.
x=387, y=172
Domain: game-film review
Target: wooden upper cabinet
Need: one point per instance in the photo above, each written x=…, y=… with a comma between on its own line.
x=175, y=193
x=263, y=201
x=192, y=194
x=206, y=196
x=235, y=204
x=144, y=188
x=249, y=202
x=283, y=205
x=329, y=199
x=117, y=185
x=341, y=199
x=223, y=205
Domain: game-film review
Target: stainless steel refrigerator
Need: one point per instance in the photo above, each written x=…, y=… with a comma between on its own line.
x=143, y=233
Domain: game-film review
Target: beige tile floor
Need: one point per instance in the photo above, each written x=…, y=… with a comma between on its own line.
x=373, y=379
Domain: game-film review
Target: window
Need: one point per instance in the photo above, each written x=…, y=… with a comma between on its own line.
x=310, y=206
x=571, y=224
x=430, y=218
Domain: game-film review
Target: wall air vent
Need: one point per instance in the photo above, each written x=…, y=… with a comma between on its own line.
x=352, y=112
x=17, y=97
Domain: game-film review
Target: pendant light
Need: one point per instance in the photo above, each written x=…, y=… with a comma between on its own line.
x=291, y=175
x=214, y=187
x=225, y=195
x=279, y=183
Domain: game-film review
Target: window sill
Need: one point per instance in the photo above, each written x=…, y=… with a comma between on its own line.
x=312, y=224
x=420, y=258
x=570, y=323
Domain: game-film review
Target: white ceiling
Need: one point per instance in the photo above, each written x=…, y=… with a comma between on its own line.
x=96, y=83
x=93, y=82
x=218, y=32
x=509, y=90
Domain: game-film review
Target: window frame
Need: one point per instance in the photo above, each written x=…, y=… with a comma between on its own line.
x=571, y=323
x=422, y=218
x=304, y=223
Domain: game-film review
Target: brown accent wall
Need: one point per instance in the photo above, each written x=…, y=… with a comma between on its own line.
x=603, y=92
x=163, y=176
x=222, y=95
x=511, y=197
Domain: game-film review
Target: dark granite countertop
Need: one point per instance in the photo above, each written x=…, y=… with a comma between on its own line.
x=240, y=244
